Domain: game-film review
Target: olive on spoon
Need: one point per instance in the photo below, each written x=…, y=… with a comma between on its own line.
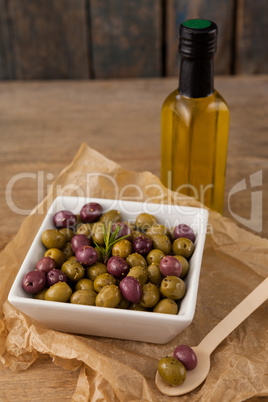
x=213, y=339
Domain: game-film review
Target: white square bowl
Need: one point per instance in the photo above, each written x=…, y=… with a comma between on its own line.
x=111, y=322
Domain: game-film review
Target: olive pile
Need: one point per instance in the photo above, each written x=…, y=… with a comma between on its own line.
x=173, y=368
x=95, y=258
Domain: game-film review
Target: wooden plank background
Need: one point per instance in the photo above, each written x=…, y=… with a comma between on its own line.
x=72, y=39
x=126, y=38
x=44, y=39
x=252, y=37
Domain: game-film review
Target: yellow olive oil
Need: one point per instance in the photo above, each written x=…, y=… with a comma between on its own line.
x=195, y=125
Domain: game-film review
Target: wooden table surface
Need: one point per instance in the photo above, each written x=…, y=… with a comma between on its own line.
x=42, y=125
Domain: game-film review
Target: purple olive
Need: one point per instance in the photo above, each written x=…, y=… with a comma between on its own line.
x=117, y=267
x=142, y=245
x=91, y=212
x=34, y=282
x=45, y=264
x=186, y=356
x=124, y=230
x=170, y=266
x=64, y=219
x=56, y=275
x=183, y=230
x=79, y=240
x=86, y=255
x=131, y=289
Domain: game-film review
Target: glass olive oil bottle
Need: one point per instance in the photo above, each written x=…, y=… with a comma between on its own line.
x=195, y=121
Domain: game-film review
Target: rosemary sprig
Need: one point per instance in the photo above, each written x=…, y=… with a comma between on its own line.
x=110, y=238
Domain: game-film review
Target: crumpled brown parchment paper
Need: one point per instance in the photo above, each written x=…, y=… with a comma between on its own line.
x=234, y=263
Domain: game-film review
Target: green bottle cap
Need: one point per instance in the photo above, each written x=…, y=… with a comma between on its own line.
x=196, y=24
x=198, y=38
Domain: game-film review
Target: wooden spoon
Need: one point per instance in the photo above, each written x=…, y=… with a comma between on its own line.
x=213, y=339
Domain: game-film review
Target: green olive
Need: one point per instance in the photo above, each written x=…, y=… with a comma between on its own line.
x=84, y=284
x=183, y=246
x=100, y=255
x=98, y=233
x=137, y=307
x=144, y=221
x=112, y=216
x=124, y=303
x=109, y=296
x=166, y=306
x=85, y=228
x=72, y=258
x=135, y=234
x=57, y=255
x=157, y=229
x=154, y=274
x=78, y=220
x=73, y=270
x=154, y=256
x=131, y=225
x=171, y=234
x=95, y=270
x=83, y=296
x=67, y=233
x=150, y=295
x=40, y=295
x=122, y=248
x=103, y=280
x=172, y=371
x=136, y=259
x=161, y=242
x=68, y=251
x=139, y=273
x=52, y=238
x=173, y=287
x=184, y=265
x=59, y=292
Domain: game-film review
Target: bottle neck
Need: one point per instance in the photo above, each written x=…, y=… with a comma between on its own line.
x=196, y=77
